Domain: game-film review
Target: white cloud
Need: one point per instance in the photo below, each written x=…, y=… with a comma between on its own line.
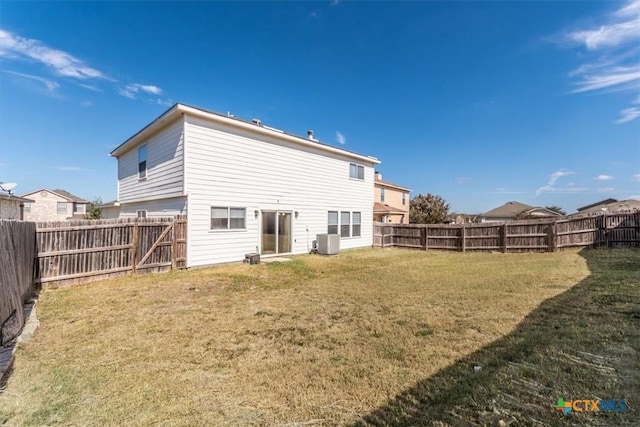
x=86, y=103
x=628, y=114
x=463, y=179
x=553, y=178
x=606, y=190
x=613, y=50
x=50, y=85
x=623, y=26
x=70, y=169
x=334, y=2
x=164, y=102
x=132, y=90
x=634, y=197
x=341, y=138
x=61, y=62
x=636, y=177
x=604, y=177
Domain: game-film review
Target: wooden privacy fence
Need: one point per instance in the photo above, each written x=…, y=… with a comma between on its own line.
x=17, y=249
x=86, y=250
x=612, y=230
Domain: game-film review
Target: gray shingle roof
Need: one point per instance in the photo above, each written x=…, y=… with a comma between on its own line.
x=508, y=210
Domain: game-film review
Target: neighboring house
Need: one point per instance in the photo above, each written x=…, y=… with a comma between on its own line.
x=244, y=187
x=391, y=202
x=515, y=210
x=610, y=206
x=12, y=207
x=53, y=205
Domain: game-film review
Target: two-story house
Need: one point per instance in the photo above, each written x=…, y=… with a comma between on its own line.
x=245, y=187
x=391, y=202
x=53, y=205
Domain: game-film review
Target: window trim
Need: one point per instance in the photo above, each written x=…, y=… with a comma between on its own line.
x=382, y=194
x=228, y=218
x=139, y=211
x=340, y=224
x=404, y=198
x=358, y=168
x=26, y=207
x=66, y=208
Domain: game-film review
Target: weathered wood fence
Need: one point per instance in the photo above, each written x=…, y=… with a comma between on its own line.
x=80, y=251
x=612, y=230
x=17, y=247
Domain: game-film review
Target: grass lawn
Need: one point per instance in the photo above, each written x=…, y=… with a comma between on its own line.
x=381, y=337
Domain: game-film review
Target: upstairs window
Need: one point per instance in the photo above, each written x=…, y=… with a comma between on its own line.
x=62, y=208
x=142, y=162
x=404, y=199
x=356, y=171
x=382, y=195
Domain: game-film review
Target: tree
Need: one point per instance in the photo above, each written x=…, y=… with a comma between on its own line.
x=429, y=209
x=557, y=209
x=94, y=211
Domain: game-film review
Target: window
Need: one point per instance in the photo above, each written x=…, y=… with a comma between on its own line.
x=381, y=195
x=62, y=207
x=344, y=224
x=356, y=225
x=142, y=162
x=356, y=171
x=404, y=199
x=349, y=224
x=333, y=222
x=142, y=213
x=223, y=218
x=27, y=207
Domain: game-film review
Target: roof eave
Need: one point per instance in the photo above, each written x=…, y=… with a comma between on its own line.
x=168, y=115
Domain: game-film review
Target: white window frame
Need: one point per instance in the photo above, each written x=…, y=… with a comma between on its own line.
x=382, y=194
x=404, y=198
x=229, y=218
x=337, y=227
x=66, y=208
x=142, y=158
x=141, y=213
x=359, y=171
x=26, y=207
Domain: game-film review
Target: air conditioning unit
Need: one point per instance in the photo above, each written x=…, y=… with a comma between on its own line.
x=328, y=244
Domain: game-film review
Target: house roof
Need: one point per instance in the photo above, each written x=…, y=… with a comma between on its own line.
x=382, y=208
x=616, y=206
x=177, y=110
x=601, y=202
x=62, y=193
x=389, y=184
x=508, y=210
x=11, y=197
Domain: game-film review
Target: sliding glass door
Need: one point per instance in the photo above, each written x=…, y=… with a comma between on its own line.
x=276, y=232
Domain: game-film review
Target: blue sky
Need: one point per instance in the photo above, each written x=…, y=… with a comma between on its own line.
x=479, y=102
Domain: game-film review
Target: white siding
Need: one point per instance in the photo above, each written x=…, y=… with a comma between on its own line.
x=164, y=167
x=155, y=208
x=228, y=167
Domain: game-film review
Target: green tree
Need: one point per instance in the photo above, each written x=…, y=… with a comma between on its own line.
x=557, y=209
x=93, y=211
x=428, y=209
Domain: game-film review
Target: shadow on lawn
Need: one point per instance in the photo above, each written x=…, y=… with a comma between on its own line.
x=582, y=344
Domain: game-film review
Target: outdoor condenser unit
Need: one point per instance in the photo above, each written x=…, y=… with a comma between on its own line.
x=328, y=244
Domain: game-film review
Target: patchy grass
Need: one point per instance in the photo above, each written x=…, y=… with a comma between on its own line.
x=384, y=337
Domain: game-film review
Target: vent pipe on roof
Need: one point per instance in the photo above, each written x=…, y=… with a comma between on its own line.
x=378, y=176
x=310, y=135
x=257, y=122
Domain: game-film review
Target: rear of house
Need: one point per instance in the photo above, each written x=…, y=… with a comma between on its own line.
x=391, y=202
x=12, y=207
x=245, y=187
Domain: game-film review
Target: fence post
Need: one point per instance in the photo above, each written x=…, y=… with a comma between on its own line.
x=382, y=228
x=426, y=238
x=463, y=236
x=134, y=247
x=552, y=241
x=606, y=230
x=423, y=238
x=174, y=245
x=503, y=232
